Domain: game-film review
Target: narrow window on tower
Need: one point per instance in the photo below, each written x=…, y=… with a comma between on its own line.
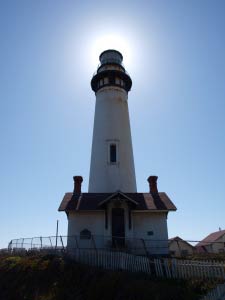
x=113, y=154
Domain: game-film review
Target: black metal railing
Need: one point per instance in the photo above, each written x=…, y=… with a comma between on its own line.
x=68, y=243
x=124, y=244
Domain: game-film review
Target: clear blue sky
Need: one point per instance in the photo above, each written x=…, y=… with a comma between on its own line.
x=177, y=106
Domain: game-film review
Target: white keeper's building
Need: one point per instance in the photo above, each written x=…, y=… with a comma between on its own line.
x=112, y=213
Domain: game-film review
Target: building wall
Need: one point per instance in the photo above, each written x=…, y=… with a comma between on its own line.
x=152, y=227
x=180, y=248
x=93, y=221
x=143, y=224
x=218, y=246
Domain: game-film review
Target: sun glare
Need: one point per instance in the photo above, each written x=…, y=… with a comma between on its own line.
x=111, y=41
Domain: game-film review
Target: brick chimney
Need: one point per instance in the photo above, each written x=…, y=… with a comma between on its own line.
x=153, y=184
x=77, y=184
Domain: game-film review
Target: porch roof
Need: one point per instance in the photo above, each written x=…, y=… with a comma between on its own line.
x=93, y=201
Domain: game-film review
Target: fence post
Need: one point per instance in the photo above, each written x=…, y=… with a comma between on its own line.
x=22, y=243
x=93, y=241
x=76, y=241
x=41, y=241
x=144, y=245
x=62, y=243
x=50, y=241
x=10, y=246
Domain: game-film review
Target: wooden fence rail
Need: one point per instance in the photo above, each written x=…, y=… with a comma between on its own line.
x=159, y=267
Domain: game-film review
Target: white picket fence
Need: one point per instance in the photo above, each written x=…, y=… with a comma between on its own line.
x=217, y=294
x=164, y=267
x=197, y=269
x=113, y=260
x=169, y=268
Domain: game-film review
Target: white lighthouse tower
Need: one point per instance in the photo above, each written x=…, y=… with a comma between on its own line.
x=112, y=213
x=112, y=163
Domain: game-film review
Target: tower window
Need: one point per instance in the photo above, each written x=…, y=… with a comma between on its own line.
x=113, y=153
x=106, y=80
x=117, y=80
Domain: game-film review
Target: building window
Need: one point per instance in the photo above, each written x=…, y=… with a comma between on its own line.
x=117, y=80
x=106, y=80
x=85, y=234
x=150, y=233
x=113, y=154
x=184, y=252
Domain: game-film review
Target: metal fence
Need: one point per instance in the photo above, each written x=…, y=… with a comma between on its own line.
x=175, y=248
x=72, y=243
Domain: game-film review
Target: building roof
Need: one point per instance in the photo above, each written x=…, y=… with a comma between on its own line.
x=178, y=239
x=211, y=238
x=94, y=201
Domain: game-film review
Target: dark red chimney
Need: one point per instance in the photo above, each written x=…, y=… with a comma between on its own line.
x=77, y=184
x=153, y=184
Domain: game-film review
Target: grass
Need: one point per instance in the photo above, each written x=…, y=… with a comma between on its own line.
x=56, y=278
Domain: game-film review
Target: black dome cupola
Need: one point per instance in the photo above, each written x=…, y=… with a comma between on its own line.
x=111, y=72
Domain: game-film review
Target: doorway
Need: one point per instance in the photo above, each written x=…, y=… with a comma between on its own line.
x=118, y=227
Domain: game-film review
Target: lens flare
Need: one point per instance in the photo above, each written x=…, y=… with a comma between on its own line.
x=112, y=41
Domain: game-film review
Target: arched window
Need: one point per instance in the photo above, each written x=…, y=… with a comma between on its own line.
x=85, y=234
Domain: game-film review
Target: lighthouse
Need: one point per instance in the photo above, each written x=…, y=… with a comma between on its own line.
x=112, y=213
x=112, y=162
